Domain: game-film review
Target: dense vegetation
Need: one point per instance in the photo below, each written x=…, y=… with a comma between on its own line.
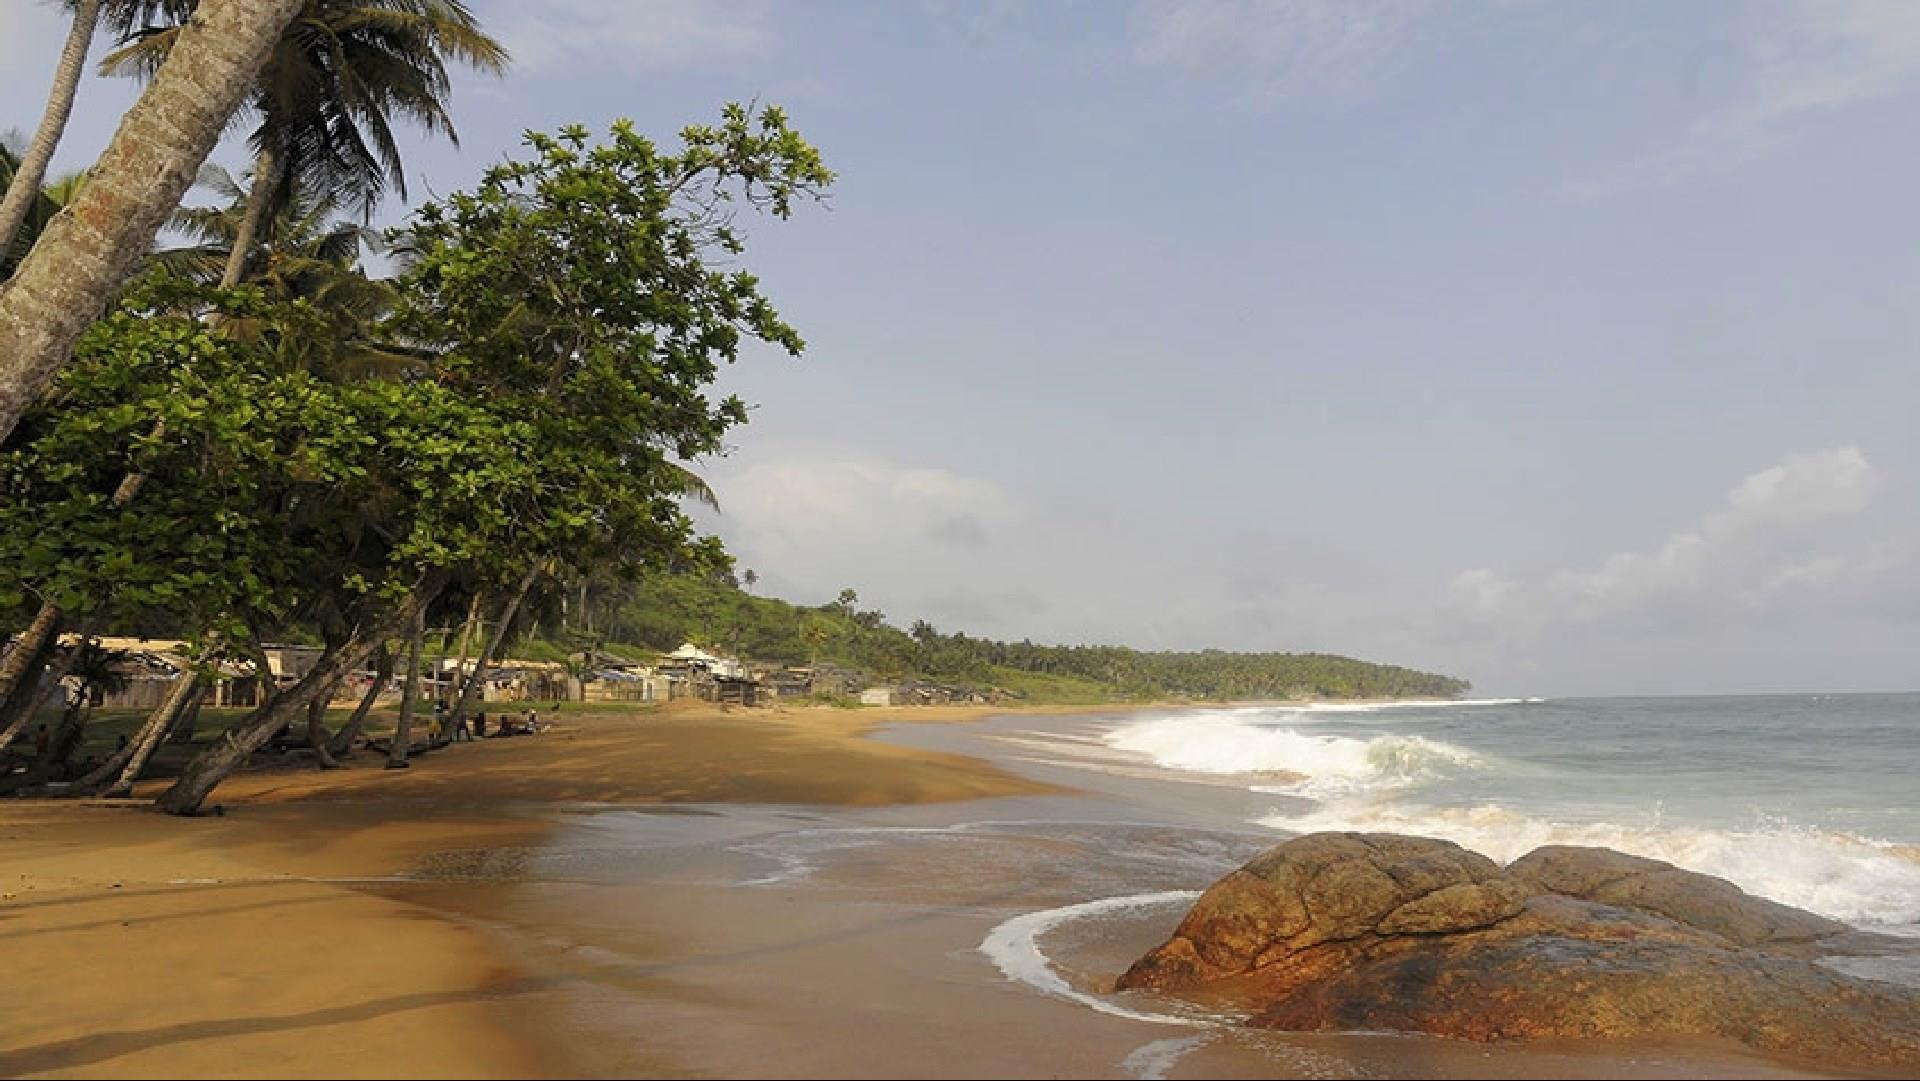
x=665, y=610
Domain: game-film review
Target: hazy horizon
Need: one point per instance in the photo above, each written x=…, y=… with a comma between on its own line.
x=1563, y=348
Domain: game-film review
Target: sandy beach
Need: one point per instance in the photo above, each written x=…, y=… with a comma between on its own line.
x=691, y=892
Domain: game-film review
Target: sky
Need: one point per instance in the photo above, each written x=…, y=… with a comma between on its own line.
x=1567, y=348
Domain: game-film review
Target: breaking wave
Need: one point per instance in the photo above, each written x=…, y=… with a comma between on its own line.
x=1868, y=883
x=1311, y=764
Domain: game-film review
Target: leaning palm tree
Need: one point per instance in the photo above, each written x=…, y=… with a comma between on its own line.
x=88, y=15
x=23, y=186
x=327, y=98
x=36, y=211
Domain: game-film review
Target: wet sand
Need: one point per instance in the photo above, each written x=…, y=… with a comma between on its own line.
x=694, y=893
x=275, y=940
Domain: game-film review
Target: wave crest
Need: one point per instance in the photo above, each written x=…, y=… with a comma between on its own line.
x=1326, y=765
x=1843, y=876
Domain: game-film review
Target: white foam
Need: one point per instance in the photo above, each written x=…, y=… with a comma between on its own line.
x=1845, y=877
x=1395, y=703
x=1330, y=765
x=1014, y=949
x=1151, y=1061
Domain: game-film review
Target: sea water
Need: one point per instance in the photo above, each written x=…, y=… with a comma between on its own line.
x=1811, y=800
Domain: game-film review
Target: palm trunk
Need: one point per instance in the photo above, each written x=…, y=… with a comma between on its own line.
x=32, y=171
x=383, y=671
x=478, y=677
x=226, y=755
x=266, y=174
x=89, y=248
x=403, y=729
x=133, y=758
x=181, y=728
x=27, y=656
x=317, y=724
x=263, y=671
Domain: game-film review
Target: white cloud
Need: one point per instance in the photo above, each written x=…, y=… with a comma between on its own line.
x=657, y=34
x=1278, y=45
x=1837, y=481
x=1799, y=62
x=814, y=522
x=1773, y=534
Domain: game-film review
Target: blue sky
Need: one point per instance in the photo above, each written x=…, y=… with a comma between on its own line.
x=1569, y=348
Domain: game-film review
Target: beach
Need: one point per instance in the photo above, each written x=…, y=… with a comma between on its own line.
x=693, y=892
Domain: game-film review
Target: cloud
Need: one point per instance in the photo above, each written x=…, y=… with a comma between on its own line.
x=815, y=522
x=657, y=34
x=1798, y=62
x=1774, y=535
x=1279, y=46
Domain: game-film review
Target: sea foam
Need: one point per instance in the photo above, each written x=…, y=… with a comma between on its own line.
x=1014, y=949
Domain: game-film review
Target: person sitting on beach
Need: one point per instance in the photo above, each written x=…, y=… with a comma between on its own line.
x=480, y=725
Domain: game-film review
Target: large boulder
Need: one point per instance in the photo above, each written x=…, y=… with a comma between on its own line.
x=1349, y=931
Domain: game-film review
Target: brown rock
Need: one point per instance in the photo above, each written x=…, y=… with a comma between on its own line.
x=1711, y=904
x=1382, y=932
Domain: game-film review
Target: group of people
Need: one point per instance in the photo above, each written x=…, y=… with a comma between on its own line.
x=440, y=730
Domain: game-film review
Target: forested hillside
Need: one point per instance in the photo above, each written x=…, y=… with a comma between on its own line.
x=663, y=611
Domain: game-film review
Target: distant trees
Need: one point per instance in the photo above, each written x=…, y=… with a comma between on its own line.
x=673, y=608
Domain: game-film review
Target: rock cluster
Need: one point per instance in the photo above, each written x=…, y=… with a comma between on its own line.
x=1350, y=931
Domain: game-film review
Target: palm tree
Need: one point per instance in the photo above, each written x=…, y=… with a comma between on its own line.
x=119, y=16
x=23, y=186
x=310, y=254
x=69, y=277
x=329, y=93
x=36, y=212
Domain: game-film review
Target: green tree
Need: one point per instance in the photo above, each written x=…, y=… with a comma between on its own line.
x=575, y=318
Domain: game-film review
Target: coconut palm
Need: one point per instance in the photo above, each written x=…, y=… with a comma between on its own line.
x=310, y=254
x=87, y=15
x=23, y=185
x=327, y=98
x=84, y=255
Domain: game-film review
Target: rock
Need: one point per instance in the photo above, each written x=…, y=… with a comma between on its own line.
x=1382, y=932
x=1711, y=904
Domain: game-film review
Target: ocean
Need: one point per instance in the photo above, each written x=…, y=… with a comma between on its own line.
x=1811, y=800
